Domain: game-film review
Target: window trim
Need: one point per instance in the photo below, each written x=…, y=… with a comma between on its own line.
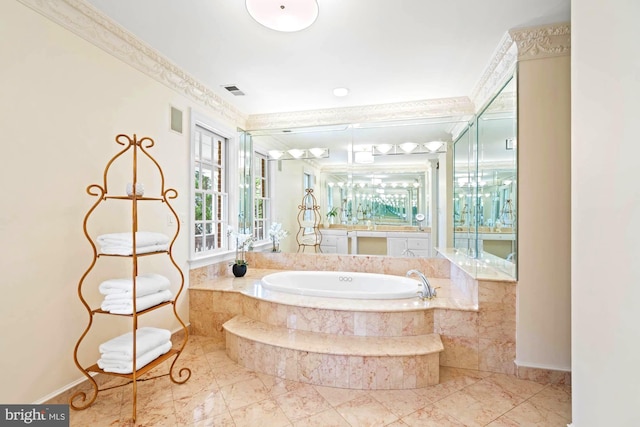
x=268, y=180
x=194, y=259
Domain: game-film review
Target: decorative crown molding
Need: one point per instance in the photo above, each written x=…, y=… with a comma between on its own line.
x=92, y=25
x=542, y=42
x=497, y=71
x=363, y=114
x=84, y=20
x=518, y=45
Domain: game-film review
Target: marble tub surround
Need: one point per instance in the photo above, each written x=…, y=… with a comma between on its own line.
x=489, y=267
x=431, y=267
x=475, y=318
x=333, y=360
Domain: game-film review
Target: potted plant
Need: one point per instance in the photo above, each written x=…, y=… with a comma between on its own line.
x=332, y=214
x=243, y=242
x=277, y=233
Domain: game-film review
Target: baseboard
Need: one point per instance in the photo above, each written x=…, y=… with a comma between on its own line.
x=60, y=396
x=543, y=374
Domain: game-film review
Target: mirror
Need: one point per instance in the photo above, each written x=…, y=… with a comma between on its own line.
x=485, y=183
x=367, y=177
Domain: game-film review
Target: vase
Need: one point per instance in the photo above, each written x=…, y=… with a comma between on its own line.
x=276, y=247
x=239, y=270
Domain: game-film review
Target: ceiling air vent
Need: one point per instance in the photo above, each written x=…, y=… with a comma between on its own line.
x=234, y=90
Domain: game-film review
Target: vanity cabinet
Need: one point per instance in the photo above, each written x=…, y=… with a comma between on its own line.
x=334, y=241
x=409, y=244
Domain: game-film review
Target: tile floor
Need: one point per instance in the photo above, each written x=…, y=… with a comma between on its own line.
x=221, y=393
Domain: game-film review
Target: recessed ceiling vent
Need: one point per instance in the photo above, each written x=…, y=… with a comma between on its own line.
x=234, y=90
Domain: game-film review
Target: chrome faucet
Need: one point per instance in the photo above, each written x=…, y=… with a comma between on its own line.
x=427, y=291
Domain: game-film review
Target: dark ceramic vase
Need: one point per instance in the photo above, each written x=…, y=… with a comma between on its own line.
x=239, y=270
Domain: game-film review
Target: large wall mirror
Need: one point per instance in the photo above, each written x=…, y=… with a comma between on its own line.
x=374, y=183
x=485, y=183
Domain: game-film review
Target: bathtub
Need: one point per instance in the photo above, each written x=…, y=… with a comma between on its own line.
x=338, y=284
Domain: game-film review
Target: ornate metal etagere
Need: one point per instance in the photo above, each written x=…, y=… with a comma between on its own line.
x=135, y=149
x=309, y=221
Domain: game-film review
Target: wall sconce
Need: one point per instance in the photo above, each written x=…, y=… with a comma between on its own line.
x=431, y=147
x=299, y=154
x=408, y=147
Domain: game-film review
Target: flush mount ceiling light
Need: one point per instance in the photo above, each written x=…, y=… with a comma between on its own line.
x=341, y=91
x=283, y=15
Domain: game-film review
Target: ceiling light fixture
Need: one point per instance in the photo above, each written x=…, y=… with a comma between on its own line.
x=408, y=147
x=275, y=154
x=283, y=15
x=384, y=148
x=341, y=91
x=317, y=152
x=296, y=153
x=433, y=146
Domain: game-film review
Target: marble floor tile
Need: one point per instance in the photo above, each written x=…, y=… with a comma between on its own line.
x=467, y=409
x=244, y=393
x=528, y=414
x=431, y=416
x=222, y=393
x=263, y=413
x=399, y=402
x=554, y=398
x=328, y=418
x=302, y=402
x=336, y=396
x=365, y=411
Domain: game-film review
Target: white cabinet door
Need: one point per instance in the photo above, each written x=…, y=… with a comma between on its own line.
x=396, y=246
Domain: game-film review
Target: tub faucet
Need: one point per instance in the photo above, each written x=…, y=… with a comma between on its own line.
x=427, y=291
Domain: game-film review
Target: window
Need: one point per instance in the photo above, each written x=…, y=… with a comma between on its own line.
x=261, y=214
x=210, y=188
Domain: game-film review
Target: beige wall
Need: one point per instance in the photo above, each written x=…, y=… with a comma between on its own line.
x=63, y=102
x=544, y=207
x=605, y=285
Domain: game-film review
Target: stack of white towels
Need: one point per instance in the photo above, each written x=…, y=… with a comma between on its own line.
x=122, y=243
x=117, y=353
x=151, y=289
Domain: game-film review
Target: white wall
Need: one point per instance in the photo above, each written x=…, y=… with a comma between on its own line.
x=62, y=103
x=543, y=328
x=606, y=212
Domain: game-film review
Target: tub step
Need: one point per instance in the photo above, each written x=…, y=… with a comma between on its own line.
x=334, y=360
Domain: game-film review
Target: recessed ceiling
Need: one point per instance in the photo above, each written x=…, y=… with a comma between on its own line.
x=383, y=51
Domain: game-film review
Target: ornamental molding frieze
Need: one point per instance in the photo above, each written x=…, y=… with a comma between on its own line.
x=92, y=25
x=542, y=42
x=84, y=20
x=520, y=45
x=500, y=67
x=363, y=114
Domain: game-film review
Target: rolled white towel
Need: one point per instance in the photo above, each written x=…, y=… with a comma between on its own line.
x=147, y=338
x=126, y=367
x=125, y=305
x=145, y=284
x=122, y=243
x=128, y=250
